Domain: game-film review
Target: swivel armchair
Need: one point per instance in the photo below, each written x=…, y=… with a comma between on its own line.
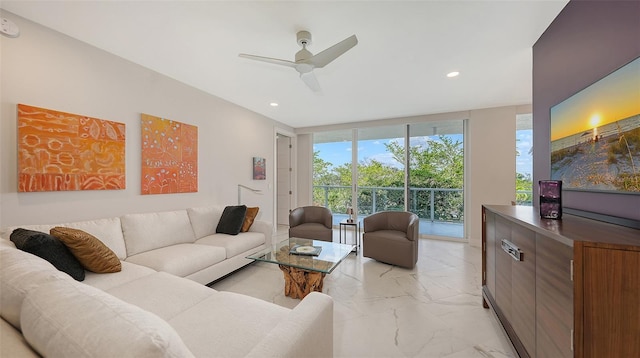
x=311, y=222
x=391, y=237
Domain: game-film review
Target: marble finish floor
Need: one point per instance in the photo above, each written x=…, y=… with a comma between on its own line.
x=434, y=310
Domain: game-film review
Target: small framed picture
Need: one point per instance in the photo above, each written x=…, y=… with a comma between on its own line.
x=259, y=168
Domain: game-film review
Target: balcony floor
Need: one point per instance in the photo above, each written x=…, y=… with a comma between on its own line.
x=428, y=228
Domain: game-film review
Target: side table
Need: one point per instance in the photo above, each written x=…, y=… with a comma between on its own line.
x=344, y=224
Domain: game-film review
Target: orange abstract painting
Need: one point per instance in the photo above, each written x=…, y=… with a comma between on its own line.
x=169, y=156
x=59, y=151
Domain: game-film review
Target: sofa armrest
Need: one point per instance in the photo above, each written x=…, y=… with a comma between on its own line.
x=413, y=229
x=13, y=343
x=307, y=331
x=264, y=227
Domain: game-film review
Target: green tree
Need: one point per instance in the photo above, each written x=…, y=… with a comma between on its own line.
x=322, y=171
x=383, y=181
x=325, y=175
x=524, y=183
x=374, y=173
x=439, y=164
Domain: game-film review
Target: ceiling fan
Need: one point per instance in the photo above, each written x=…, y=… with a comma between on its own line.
x=305, y=61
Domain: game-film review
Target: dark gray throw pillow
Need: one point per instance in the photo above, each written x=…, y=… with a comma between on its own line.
x=231, y=220
x=49, y=248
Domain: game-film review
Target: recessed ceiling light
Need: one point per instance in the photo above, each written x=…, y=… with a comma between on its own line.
x=453, y=74
x=273, y=104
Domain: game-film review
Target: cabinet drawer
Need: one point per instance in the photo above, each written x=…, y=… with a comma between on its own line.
x=523, y=288
x=503, y=268
x=554, y=298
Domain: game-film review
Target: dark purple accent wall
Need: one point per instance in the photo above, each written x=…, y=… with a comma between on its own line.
x=587, y=41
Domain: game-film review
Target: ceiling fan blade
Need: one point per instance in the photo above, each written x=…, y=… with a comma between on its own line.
x=275, y=61
x=325, y=57
x=310, y=79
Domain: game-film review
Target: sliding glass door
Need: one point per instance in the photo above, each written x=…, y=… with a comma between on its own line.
x=417, y=168
x=332, y=172
x=436, y=177
x=380, y=169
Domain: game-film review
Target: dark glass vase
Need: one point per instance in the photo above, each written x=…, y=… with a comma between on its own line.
x=550, y=199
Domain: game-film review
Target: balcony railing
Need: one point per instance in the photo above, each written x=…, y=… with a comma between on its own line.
x=524, y=197
x=441, y=210
x=435, y=204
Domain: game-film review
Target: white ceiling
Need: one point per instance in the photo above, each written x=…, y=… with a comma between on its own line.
x=398, y=68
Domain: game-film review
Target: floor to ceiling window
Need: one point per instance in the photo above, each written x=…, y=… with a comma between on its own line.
x=524, y=159
x=381, y=169
x=436, y=177
x=332, y=172
x=417, y=167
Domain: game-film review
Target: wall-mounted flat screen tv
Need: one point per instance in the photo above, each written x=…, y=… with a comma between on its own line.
x=595, y=135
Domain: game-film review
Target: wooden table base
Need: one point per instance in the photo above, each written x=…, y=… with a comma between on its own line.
x=298, y=282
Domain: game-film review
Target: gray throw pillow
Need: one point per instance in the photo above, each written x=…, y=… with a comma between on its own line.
x=49, y=248
x=231, y=220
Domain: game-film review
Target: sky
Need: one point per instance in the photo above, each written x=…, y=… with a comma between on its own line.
x=615, y=97
x=339, y=153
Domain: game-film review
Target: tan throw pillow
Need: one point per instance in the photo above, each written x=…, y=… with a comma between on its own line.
x=249, y=217
x=91, y=252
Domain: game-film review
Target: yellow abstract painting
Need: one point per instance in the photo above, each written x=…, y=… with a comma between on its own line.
x=60, y=151
x=169, y=156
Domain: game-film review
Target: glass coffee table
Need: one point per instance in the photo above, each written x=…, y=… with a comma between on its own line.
x=303, y=272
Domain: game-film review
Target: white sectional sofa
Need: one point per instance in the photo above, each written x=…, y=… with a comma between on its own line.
x=157, y=305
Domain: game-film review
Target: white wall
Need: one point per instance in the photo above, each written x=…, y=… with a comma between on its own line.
x=490, y=158
x=490, y=170
x=46, y=69
x=304, y=180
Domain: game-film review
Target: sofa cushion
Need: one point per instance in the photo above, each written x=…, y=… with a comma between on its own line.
x=249, y=217
x=309, y=230
x=234, y=245
x=204, y=220
x=21, y=272
x=5, y=244
x=181, y=260
x=247, y=320
x=7, y=231
x=129, y=272
x=109, y=231
x=144, y=232
x=162, y=294
x=49, y=248
x=231, y=220
x=68, y=319
x=90, y=251
x=393, y=235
